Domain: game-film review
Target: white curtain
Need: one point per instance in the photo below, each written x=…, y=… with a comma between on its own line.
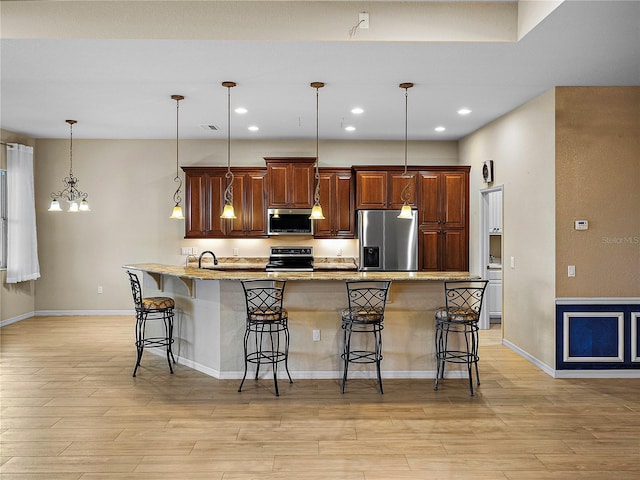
x=22, y=242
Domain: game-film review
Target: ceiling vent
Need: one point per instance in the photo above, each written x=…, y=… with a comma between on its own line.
x=209, y=127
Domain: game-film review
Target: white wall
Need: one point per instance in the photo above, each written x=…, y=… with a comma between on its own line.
x=522, y=147
x=130, y=186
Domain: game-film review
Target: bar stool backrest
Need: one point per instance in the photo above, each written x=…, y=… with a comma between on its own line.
x=136, y=290
x=367, y=297
x=264, y=297
x=465, y=296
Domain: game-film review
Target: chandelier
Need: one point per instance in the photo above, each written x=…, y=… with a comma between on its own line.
x=77, y=200
x=316, y=211
x=405, y=195
x=177, y=209
x=227, y=211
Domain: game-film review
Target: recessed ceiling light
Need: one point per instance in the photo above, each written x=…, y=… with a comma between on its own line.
x=241, y=110
x=464, y=111
x=254, y=128
x=357, y=111
x=349, y=128
x=440, y=129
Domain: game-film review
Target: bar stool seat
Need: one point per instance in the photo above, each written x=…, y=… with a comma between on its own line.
x=460, y=318
x=266, y=338
x=152, y=308
x=365, y=315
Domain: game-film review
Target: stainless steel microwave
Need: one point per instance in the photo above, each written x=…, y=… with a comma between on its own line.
x=289, y=221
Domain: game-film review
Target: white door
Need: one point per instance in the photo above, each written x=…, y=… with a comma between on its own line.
x=491, y=233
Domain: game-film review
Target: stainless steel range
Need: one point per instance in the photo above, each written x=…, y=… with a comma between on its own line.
x=290, y=259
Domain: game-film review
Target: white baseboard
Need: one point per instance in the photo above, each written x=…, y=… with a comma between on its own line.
x=19, y=318
x=541, y=365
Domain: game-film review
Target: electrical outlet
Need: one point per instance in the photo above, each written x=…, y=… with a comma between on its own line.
x=316, y=335
x=185, y=250
x=513, y=262
x=99, y=288
x=339, y=252
x=235, y=252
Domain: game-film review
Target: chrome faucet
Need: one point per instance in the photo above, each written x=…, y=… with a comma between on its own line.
x=189, y=257
x=215, y=260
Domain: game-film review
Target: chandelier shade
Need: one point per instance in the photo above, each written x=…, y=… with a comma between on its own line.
x=76, y=199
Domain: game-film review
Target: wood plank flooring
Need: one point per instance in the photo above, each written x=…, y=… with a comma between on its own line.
x=71, y=410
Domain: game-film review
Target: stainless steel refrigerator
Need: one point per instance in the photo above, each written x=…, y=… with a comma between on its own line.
x=386, y=242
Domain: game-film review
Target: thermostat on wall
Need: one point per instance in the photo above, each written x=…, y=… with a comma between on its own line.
x=582, y=225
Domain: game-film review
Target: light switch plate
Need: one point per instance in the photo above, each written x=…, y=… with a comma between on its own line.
x=571, y=271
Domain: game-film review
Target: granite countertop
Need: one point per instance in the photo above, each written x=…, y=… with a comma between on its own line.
x=259, y=263
x=195, y=273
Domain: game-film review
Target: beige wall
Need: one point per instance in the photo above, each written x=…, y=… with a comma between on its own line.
x=521, y=145
x=130, y=186
x=16, y=300
x=598, y=179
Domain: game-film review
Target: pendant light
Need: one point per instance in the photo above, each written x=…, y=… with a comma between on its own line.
x=405, y=212
x=227, y=211
x=177, y=209
x=77, y=199
x=316, y=211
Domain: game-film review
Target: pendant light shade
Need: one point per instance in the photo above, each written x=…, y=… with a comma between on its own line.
x=77, y=200
x=405, y=195
x=228, y=211
x=316, y=211
x=177, y=209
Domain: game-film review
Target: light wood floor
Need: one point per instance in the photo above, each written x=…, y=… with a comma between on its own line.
x=71, y=410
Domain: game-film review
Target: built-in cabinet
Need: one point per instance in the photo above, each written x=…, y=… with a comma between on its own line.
x=441, y=197
x=443, y=217
x=495, y=211
x=291, y=182
x=205, y=186
x=494, y=292
x=204, y=189
x=337, y=200
x=382, y=189
x=204, y=193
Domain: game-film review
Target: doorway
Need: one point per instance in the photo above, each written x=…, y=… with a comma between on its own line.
x=491, y=253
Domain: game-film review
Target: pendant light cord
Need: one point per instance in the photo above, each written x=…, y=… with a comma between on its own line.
x=406, y=191
x=316, y=194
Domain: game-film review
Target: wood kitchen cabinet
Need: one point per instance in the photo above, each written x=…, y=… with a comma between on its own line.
x=291, y=182
x=249, y=204
x=443, y=218
x=204, y=200
x=337, y=200
x=382, y=189
x=204, y=188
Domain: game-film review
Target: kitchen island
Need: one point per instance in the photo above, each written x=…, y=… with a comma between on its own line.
x=210, y=318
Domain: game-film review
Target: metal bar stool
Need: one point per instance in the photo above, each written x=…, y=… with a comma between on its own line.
x=460, y=316
x=367, y=300
x=267, y=322
x=152, y=308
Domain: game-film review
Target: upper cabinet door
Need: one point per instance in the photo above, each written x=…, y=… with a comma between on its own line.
x=397, y=184
x=337, y=200
x=204, y=190
x=371, y=190
x=291, y=182
x=429, y=210
x=455, y=195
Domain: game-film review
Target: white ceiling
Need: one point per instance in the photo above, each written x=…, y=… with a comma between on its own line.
x=120, y=88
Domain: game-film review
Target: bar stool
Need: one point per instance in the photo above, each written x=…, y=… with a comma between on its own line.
x=367, y=300
x=459, y=317
x=267, y=322
x=152, y=308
